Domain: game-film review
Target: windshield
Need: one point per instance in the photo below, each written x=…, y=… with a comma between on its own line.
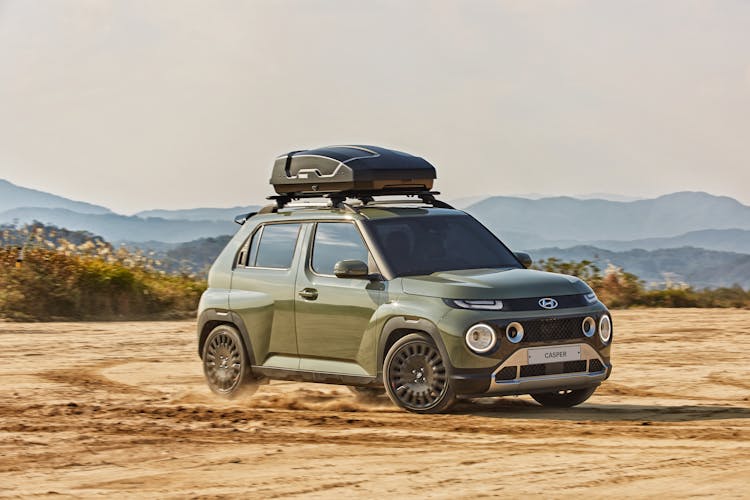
x=428, y=244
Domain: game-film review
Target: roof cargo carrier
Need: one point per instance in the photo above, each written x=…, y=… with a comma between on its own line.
x=349, y=170
x=341, y=172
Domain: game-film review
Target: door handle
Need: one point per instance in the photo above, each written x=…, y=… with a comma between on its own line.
x=309, y=293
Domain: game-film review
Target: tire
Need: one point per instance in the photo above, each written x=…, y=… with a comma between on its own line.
x=366, y=392
x=226, y=365
x=564, y=398
x=416, y=377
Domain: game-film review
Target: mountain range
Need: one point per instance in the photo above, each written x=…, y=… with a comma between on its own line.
x=122, y=228
x=728, y=240
x=565, y=218
x=23, y=205
x=13, y=196
x=627, y=233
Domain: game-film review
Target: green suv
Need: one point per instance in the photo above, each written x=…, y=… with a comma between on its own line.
x=406, y=296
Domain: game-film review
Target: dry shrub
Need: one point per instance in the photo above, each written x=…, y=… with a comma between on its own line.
x=58, y=285
x=619, y=289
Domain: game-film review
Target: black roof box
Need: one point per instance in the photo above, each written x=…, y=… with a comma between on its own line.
x=350, y=169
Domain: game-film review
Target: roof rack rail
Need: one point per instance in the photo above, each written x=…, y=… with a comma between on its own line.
x=338, y=199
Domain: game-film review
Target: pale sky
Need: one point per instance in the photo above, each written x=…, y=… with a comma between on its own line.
x=174, y=104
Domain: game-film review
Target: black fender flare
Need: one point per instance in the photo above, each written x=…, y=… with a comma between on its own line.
x=210, y=318
x=410, y=324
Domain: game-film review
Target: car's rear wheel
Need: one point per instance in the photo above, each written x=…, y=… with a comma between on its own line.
x=226, y=365
x=416, y=377
x=563, y=398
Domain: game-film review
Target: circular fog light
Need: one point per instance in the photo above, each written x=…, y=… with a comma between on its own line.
x=605, y=328
x=514, y=332
x=588, y=326
x=481, y=338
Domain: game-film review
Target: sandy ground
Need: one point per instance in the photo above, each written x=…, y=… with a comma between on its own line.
x=121, y=410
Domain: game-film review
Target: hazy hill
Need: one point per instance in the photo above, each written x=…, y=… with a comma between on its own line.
x=114, y=227
x=197, y=256
x=725, y=240
x=191, y=257
x=728, y=240
x=13, y=196
x=680, y=219
x=220, y=214
x=573, y=219
x=696, y=266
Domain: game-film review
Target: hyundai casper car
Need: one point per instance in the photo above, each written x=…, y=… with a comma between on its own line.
x=418, y=300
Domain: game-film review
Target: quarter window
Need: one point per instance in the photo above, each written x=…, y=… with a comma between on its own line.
x=335, y=241
x=253, y=249
x=276, y=246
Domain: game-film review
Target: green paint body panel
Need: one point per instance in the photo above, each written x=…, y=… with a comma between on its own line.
x=493, y=284
x=342, y=332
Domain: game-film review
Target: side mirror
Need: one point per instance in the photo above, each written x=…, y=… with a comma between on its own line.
x=351, y=269
x=524, y=258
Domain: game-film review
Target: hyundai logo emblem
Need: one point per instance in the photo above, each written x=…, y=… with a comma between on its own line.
x=548, y=303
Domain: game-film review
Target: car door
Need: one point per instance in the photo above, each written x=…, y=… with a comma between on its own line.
x=335, y=317
x=263, y=292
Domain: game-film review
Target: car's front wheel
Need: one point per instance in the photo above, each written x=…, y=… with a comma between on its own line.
x=563, y=398
x=225, y=364
x=416, y=377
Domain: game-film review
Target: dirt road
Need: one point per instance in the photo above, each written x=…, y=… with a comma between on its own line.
x=120, y=409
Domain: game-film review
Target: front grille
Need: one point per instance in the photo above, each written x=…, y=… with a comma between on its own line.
x=532, y=303
x=533, y=370
x=546, y=330
x=507, y=373
x=596, y=366
x=574, y=366
x=553, y=368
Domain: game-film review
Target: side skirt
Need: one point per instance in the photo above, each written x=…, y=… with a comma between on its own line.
x=318, y=377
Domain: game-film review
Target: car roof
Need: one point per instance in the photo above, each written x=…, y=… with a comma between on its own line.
x=384, y=212
x=357, y=212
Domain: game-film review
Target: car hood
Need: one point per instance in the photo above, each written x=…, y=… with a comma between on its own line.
x=493, y=284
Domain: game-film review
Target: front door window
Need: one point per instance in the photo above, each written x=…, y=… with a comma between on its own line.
x=335, y=242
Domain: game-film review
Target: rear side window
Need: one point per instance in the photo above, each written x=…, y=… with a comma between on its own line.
x=335, y=241
x=273, y=246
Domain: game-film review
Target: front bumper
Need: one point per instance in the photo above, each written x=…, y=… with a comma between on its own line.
x=516, y=376
x=508, y=369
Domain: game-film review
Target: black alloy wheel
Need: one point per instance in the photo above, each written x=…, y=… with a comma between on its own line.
x=225, y=364
x=416, y=377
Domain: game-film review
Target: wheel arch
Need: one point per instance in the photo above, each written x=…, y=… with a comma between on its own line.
x=211, y=318
x=401, y=326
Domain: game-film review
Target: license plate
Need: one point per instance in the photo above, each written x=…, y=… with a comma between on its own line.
x=554, y=354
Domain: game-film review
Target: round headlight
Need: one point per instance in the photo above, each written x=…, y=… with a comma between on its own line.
x=605, y=328
x=481, y=338
x=588, y=326
x=514, y=332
